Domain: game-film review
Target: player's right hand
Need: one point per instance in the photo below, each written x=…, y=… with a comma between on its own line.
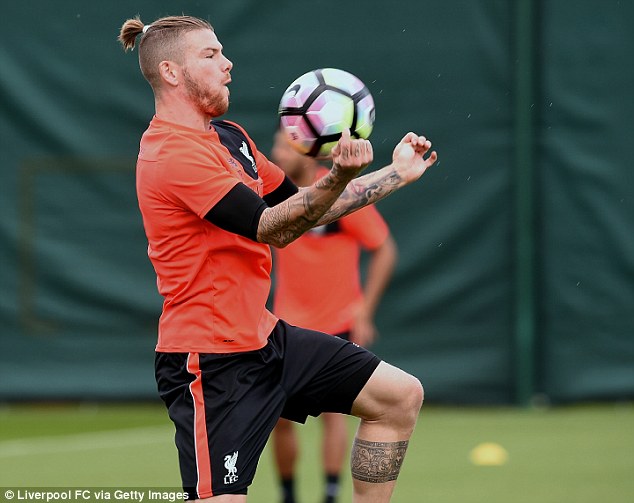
x=409, y=158
x=350, y=156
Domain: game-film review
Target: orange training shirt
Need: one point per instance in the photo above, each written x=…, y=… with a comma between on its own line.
x=318, y=283
x=215, y=283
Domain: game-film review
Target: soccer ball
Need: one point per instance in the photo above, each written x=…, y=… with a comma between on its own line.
x=319, y=105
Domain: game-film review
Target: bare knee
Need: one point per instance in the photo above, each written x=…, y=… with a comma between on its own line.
x=403, y=413
x=391, y=395
x=412, y=397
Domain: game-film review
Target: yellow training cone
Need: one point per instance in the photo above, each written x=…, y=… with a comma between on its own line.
x=488, y=454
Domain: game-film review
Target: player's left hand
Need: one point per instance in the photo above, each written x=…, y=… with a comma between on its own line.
x=409, y=158
x=351, y=155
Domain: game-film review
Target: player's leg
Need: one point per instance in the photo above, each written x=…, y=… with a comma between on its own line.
x=285, y=452
x=388, y=406
x=328, y=374
x=334, y=447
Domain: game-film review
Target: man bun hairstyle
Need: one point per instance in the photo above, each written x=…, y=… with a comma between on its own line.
x=129, y=32
x=160, y=41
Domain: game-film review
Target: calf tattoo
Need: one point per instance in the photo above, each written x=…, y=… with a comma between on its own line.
x=377, y=462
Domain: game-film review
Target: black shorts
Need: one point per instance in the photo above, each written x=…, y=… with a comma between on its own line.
x=225, y=406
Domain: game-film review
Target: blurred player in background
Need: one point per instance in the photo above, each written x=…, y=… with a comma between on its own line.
x=318, y=286
x=226, y=368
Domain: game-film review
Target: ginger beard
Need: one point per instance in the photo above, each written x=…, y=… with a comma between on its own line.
x=209, y=101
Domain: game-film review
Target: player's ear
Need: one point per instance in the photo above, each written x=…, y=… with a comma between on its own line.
x=169, y=72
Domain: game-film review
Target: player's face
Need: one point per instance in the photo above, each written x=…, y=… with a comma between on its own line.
x=206, y=73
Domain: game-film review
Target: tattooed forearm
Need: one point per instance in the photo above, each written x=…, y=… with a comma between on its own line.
x=331, y=183
x=361, y=192
x=333, y=196
x=288, y=220
x=377, y=462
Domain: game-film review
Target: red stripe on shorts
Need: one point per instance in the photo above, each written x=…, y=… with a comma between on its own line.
x=201, y=444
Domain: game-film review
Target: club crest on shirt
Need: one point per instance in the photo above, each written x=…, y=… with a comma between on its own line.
x=242, y=160
x=244, y=149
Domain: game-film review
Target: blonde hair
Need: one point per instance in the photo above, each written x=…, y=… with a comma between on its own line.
x=160, y=41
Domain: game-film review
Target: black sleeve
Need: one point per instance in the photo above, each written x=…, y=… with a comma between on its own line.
x=285, y=190
x=238, y=212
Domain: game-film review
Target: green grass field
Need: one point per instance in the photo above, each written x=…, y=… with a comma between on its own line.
x=572, y=454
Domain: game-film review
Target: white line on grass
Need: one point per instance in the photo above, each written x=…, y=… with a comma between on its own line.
x=114, y=439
